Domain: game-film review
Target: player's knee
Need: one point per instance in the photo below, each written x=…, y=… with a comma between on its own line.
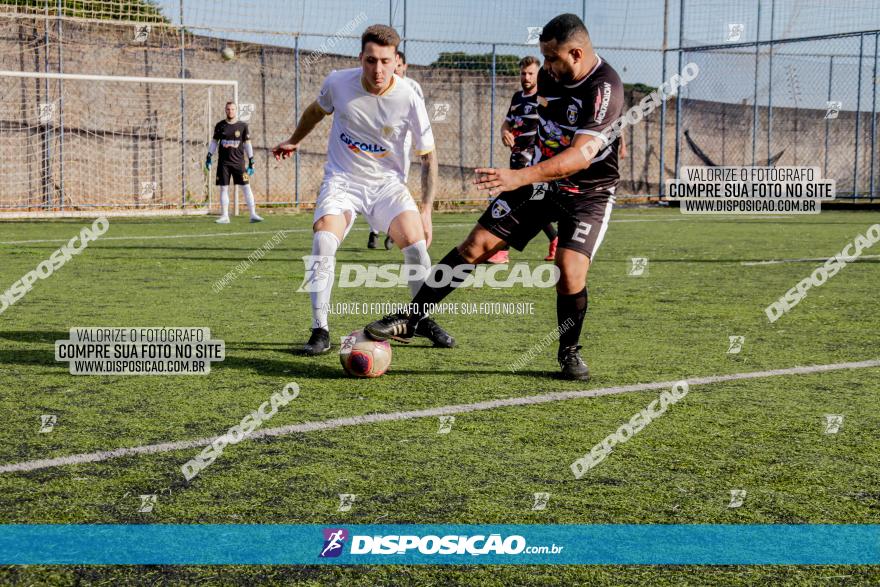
x=572, y=275
x=479, y=244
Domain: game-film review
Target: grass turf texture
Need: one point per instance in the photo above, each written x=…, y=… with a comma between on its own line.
x=765, y=436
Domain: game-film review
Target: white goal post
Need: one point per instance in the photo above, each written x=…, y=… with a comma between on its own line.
x=74, y=144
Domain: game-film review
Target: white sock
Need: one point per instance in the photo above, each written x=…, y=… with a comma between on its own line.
x=320, y=271
x=224, y=200
x=417, y=254
x=249, y=198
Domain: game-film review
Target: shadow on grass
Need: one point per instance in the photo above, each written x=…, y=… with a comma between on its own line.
x=292, y=361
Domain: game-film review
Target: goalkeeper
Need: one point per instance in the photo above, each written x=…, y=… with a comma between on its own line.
x=232, y=137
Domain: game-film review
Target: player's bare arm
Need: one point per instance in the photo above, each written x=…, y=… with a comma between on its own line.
x=310, y=118
x=429, y=188
x=575, y=158
x=506, y=135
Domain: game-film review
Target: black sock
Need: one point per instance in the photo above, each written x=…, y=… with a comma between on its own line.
x=428, y=294
x=570, y=311
x=550, y=231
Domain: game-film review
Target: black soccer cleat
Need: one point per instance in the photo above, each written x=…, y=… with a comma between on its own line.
x=432, y=331
x=573, y=366
x=399, y=327
x=373, y=240
x=319, y=342
x=389, y=242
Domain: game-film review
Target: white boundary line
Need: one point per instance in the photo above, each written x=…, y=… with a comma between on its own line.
x=802, y=260
x=359, y=228
x=105, y=455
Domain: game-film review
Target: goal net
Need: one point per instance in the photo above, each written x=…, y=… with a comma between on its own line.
x=79, y=142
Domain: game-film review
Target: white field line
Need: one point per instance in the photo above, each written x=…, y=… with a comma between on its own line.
x=291, y=230
x=104, y=455
x=802, y=260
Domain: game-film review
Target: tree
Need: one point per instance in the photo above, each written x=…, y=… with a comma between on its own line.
x=504, y=64
x=128, y=10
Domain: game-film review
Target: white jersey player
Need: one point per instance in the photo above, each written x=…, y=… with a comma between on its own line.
x=373, y=111
x=400, y=71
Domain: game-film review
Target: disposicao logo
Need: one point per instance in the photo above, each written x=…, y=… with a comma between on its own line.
x=334, y=540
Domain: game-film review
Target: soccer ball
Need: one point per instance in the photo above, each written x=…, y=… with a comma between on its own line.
x=227, y=53
x=362, y=356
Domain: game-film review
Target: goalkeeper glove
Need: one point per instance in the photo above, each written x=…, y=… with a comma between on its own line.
x=208, y=162
x=250, y=167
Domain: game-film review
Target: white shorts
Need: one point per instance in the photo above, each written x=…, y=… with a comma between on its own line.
x=379, y=203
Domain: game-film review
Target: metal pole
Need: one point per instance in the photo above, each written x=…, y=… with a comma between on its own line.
x=461, y=135
x=390, y=14
x=755, y=96
x=182, y=111
x=492, y=115
x=296, y=117
x=210, y=138
x=770, y=82
x=830, y=78
x=403, y=42
x=858, y=117
x=678, y=91
x=264, y=121
x=874, y=116
x=234, y=186
x=665, y=48
x=47, y=145
x=584, y=10
x=60, y=110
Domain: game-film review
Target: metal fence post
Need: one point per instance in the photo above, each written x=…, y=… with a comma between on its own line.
x=874, y=115
x=858, y=117
x=492, y=115
x=755, y=96
x=770, y=82
x=678, y=91
x=183, y=111
x=60, y=109
x=296, y=78
x=663, y=51
x=47, y=145
x=827, y=127
x=461, y=135
x=264, y=118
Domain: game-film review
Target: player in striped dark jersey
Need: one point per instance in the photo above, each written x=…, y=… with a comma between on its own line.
x=518, y=132
x=572, y=180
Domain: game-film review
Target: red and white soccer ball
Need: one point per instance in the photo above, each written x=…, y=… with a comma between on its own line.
x=361, y=356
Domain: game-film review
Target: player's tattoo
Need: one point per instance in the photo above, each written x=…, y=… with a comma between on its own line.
x=429, y=178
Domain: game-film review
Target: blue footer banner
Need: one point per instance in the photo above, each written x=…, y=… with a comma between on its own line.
x=614, y=544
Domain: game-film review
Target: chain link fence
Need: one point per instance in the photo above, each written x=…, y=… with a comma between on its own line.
x=764, y=95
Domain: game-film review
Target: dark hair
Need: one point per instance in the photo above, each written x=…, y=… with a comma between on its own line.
x=382, y=35
x=230, y=102
x=529, y=60
x=563, y=28
x=402, y=57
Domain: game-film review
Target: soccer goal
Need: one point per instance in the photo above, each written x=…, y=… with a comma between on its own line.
x=72, y=144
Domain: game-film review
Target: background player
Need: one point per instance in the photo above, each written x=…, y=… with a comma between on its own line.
x=399, y=71
x=572, y=180
x=373, y=111
x=518, y=133
x=232, y=137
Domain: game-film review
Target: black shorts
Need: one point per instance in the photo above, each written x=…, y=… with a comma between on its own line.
x=518, y=216
x=238, y=174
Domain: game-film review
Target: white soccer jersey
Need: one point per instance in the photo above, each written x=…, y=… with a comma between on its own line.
x=407, y=143
x=415, y=86
x=368, y=137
